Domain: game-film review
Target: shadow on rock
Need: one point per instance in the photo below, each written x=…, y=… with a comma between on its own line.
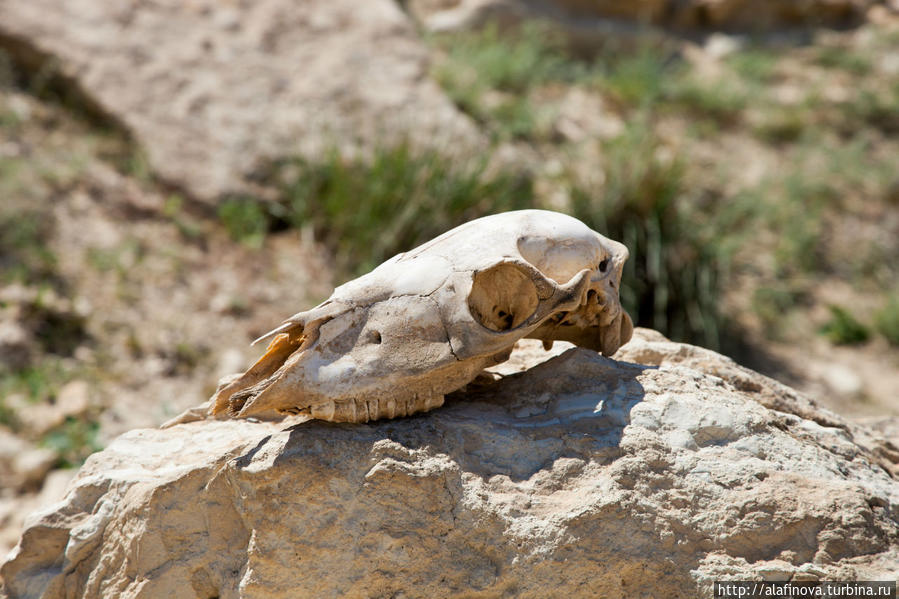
x=575, y=405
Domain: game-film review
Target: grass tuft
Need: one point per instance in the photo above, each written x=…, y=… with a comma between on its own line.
x=887, y=320
x=367, y=211
x=673, y=277
x=491, y=75
x=844, y=329
x=245, y=219
x=36, y=383
x=24, y=255
x=73, y=441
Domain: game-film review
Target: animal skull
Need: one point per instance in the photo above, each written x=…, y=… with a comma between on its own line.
x=426, y=322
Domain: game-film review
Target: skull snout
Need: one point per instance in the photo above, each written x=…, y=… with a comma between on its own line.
x=603, y=303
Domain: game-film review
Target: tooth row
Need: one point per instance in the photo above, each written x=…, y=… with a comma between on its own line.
x=365, y=410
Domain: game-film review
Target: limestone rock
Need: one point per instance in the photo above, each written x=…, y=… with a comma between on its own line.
x=211, y=89
x=581, y=476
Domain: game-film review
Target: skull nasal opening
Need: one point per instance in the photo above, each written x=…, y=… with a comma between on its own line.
x=502, y=297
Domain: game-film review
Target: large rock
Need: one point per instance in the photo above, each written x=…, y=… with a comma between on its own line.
x=579, y=477
x=211, y=89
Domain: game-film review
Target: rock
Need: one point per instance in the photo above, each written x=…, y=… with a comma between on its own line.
x=72, y=400
x=591, y=22
x=885, y=426
x=23, y=465
x=16, y=345
x=581, y=476
x=719, y=45
x=15, y=507
x=583, y=117
x=843, y=380
x=211, y=90
x=32, y=319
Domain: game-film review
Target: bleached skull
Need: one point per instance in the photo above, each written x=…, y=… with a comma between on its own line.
x=426, y=322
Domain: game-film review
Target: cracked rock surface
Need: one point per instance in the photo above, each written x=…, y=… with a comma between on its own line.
x=580, y=476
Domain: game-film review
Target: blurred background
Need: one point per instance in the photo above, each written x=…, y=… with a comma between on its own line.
x=176, y=178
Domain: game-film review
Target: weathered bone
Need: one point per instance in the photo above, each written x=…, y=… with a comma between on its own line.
x=425, y=323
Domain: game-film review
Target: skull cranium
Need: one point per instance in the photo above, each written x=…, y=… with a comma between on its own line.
x=426, y=322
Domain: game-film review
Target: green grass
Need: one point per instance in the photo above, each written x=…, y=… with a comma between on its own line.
x=887, y=320
x=710, y=101
x=367, y=211
x=491, y=76
x=7, y=71
x=790, y=208
x=124, y=154
x=120, y=258
x=673, y=277
x=37, y=383
x=844, y=329
x=653, y=77
x=756, y=66
x=9, y=120
x=245, y=219
x=513, y=63
x=846, y=59
x=783, y=125
x=774, y=303
x=877, y=108
x=73, y=441
x=634, y=78
x=188, y=227
x=791, y=204
x=40, y=383
x=801, y=202
x=518, y=117
x=24, y=255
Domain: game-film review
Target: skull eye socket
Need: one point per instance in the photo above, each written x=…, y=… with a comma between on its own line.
x=502, y=297
x=604, y=265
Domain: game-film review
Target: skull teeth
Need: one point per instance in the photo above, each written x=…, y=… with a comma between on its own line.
x=366, y=410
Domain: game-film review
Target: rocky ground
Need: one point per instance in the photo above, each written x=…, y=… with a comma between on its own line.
x=126, y=292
